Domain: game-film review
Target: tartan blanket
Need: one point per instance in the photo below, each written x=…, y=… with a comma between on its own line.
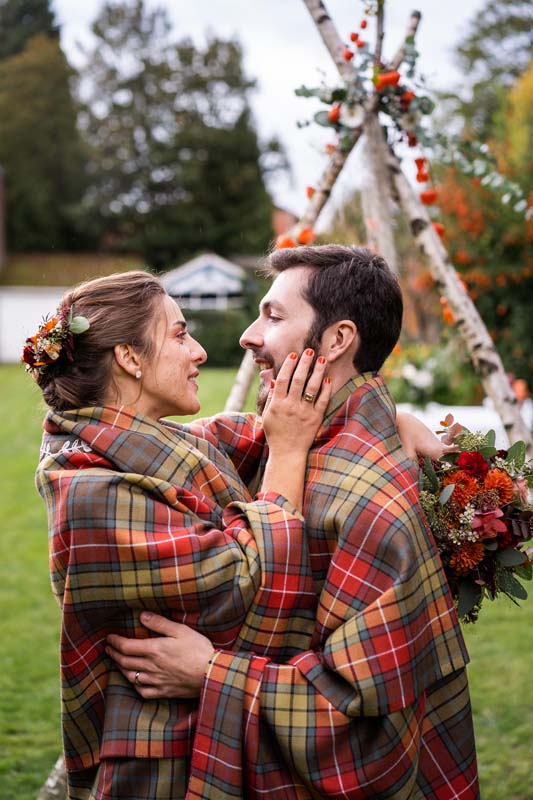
x=375, y=703
x=144, y=515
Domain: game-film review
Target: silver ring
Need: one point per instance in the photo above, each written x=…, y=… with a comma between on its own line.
x=136, y=681
x=309, y=397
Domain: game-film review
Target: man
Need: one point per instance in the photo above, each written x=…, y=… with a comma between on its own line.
x=375, y=702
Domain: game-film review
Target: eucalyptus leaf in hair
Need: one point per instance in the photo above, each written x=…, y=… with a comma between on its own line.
x=79, y=325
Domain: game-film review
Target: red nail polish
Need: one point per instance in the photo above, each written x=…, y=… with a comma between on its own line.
x=293, y=356
x=309, y=352
x=321, y=360
x=272, y=384
x=327, y=380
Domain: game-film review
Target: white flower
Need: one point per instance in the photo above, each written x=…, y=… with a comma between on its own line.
x=352, y=116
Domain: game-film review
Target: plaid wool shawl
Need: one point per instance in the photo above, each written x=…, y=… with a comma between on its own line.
x=376, y=702
x=144, y=515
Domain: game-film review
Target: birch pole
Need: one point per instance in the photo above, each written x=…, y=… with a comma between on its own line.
x=376, y=191
x=316, y=8
x=480, y=347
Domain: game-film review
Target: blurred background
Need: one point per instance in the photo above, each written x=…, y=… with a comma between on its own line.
x=167, y=136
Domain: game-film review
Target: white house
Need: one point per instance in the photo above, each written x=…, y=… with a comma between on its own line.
x=207, y=282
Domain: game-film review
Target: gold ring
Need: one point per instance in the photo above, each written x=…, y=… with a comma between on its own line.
x=309, y=397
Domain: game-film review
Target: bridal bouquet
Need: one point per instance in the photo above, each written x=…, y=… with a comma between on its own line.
x=477, y=504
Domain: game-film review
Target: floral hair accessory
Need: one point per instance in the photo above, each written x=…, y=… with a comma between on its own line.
x=55, y=336
x=478, y=506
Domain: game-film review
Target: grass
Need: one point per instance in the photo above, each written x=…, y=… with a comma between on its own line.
x=500, y=644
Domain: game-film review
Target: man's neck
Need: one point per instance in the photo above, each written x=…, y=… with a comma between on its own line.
x=341, y=374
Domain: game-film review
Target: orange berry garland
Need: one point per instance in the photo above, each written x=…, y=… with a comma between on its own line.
x=354, y=37
x=334, y=113
x=348, y=54
x=306, y=236
x=284, y=241
x=310, y=190
x=439, y=228
x=386, y=79
x=428, y=196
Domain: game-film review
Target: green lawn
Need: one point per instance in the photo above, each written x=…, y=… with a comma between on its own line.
x=500, y=644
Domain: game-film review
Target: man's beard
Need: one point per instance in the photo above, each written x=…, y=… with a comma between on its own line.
x=262, y=394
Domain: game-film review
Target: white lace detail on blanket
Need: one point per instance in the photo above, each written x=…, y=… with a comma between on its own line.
x=67, y=448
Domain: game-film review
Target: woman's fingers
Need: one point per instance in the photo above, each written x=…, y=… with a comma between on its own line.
x=284, y=376
x=315, y=381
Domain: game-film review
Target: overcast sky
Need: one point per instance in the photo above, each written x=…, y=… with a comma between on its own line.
x=283, y=50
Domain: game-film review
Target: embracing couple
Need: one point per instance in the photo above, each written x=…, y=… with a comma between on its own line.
x=252, y=606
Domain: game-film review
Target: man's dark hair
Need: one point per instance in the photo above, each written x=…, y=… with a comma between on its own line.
x=349, y=283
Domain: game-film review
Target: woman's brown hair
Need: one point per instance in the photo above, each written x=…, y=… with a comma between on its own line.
x=121, y=309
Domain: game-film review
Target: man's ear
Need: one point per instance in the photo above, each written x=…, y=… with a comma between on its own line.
x=340, y=339
x=127, y=358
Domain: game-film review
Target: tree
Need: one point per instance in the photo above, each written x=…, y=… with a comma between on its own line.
x=40, y=148
x=22, y=19
x=494, y=53
x=175, y=157
x=490, y=240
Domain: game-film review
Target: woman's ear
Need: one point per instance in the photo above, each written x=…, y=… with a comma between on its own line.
x=127, y=359
x=340, y=339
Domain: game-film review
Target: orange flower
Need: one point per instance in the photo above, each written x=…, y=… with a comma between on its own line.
x=386, y=79
x=499, y=481
x=330, y=149
x=310, y=191
x=462, y=257
x=422, y=177
x=334, y=113
x=466, y=487
x=360, y=43
x=306, y=236
x=285, y=241
x=407, y=97
x=354, y=37
x=466, y=557
x=447, y=315
x=428, y=196
x=420, y=163
x=348, y=54
x=439, y=228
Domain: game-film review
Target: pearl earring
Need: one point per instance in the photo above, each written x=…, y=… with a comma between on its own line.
x=138, y=374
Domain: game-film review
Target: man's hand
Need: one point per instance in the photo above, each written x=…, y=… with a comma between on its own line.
x=172, y=665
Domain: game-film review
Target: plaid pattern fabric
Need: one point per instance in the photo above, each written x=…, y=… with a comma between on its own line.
x=146, y=516
x=375, y=703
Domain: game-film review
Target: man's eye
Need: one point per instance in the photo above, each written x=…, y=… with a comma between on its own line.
x=273, y=318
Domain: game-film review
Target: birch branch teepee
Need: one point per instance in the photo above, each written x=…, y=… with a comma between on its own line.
x=247, y=370
x=479, y=345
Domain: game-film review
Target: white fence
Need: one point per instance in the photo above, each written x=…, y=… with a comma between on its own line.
x=21, y=311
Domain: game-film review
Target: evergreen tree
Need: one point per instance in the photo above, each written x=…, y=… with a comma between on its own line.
x=22, y=19
x=40, y=148
x=176, y=161
x=495, y=51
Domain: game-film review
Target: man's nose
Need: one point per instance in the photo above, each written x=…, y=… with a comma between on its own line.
x=252, y=337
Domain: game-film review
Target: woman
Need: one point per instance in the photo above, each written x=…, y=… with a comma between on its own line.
x=145, y=516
